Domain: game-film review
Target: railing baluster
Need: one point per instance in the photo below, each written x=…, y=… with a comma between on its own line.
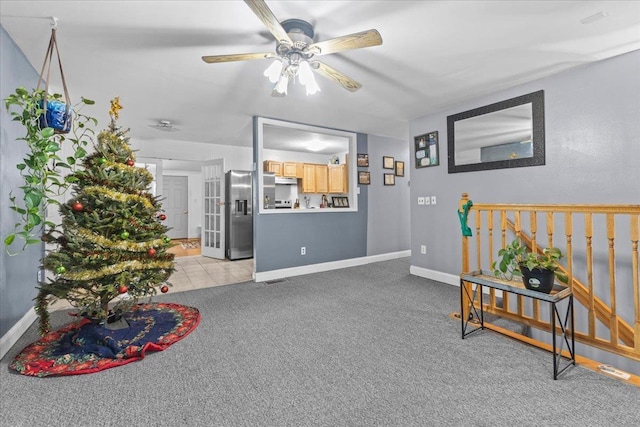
x=549, y=229
x=635, y=221
x=588, y=233
x=492, y=292
x=518, y=227
x=613, y=322
x=478, y=240
x=568, y=231
x=533, y=226
x=503, y=231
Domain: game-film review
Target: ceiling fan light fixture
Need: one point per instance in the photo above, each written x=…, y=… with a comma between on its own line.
x=274, y=71
x=307, y=78
x=283, y=84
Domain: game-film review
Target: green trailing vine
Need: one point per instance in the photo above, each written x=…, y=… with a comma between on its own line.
x=46, y=175
x=516, y=255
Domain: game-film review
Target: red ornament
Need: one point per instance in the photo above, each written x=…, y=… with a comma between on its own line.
x=151, y=252
x=130, y=162
x=77, y=207
x=162, y=217
x=164, y=289
x=123, y=289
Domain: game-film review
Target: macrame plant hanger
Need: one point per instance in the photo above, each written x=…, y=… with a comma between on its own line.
x=57, y=113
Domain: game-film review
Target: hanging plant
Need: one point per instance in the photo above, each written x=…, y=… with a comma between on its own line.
x=46, y=175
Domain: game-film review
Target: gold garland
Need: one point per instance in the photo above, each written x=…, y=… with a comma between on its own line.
x=124, y=245
x=126, y=168
x=118, y=196
x=117, y=268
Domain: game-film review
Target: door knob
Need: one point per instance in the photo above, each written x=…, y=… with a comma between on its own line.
x=186, y=212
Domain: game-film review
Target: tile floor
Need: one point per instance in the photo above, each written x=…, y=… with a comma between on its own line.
x=195, y=272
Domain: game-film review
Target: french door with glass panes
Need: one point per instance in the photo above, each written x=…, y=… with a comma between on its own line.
x=212, y=239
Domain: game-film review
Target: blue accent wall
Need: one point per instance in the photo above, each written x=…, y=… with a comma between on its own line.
x=18, y=274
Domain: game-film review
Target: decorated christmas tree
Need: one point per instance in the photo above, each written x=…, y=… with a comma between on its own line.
x=111, y=249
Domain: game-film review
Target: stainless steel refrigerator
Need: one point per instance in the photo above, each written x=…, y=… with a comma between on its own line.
x=239, y=215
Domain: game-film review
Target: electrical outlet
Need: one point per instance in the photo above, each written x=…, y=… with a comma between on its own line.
x=421, y=200
x=433, y=200
x=303, y=250
x=423, y=249
x=427, y=200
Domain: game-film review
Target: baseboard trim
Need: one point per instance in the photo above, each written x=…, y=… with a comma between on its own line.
x=327, y=266
x=450, y=279
x=12, y=336
x=438, y=276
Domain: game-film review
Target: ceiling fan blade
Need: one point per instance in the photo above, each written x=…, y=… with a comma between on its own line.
x=352, y=41
x=236, y=57
x=332, y=74
x=260, y=8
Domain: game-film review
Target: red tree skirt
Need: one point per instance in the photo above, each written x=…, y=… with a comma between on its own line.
x=84, y=347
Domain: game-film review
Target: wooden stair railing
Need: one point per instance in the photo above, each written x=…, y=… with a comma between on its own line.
x=582, y=295
x=624, y=336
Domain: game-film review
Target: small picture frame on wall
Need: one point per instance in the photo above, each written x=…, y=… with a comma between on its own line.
x=364, y=178
x=399, y=168
x=363, y=160
x=387, y=162
x=427, y=152
x=389, y=179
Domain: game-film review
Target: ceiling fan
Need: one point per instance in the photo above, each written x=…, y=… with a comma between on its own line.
x=295, y=52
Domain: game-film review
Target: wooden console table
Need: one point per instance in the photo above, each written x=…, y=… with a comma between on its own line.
x=559, y=293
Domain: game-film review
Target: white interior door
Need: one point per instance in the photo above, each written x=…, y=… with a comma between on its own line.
x=212, y=242
x=176, y=205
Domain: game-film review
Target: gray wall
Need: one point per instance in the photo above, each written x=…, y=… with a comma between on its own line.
x=327, y=236
x=389, y=228
x=18, y=274
x=592, y=123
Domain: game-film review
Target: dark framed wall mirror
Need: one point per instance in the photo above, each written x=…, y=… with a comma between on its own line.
x=507, y=134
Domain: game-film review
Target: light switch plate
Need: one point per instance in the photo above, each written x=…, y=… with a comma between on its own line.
x=427, y=200
x=433, y=200
x=421, y=200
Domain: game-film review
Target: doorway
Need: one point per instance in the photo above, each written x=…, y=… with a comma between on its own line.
x=176, y=205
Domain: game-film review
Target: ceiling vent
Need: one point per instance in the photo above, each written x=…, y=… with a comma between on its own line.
x=165, y=126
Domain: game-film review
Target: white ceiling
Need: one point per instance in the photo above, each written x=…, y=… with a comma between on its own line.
x=434, y=54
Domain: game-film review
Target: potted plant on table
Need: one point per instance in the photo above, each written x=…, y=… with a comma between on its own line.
x=538, y=270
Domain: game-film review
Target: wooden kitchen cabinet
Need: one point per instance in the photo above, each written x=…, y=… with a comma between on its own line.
x=315, y=178
x=308, y=178
x=273, y=166
x=290, y=169
x=322, y=179
x=338, y=179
